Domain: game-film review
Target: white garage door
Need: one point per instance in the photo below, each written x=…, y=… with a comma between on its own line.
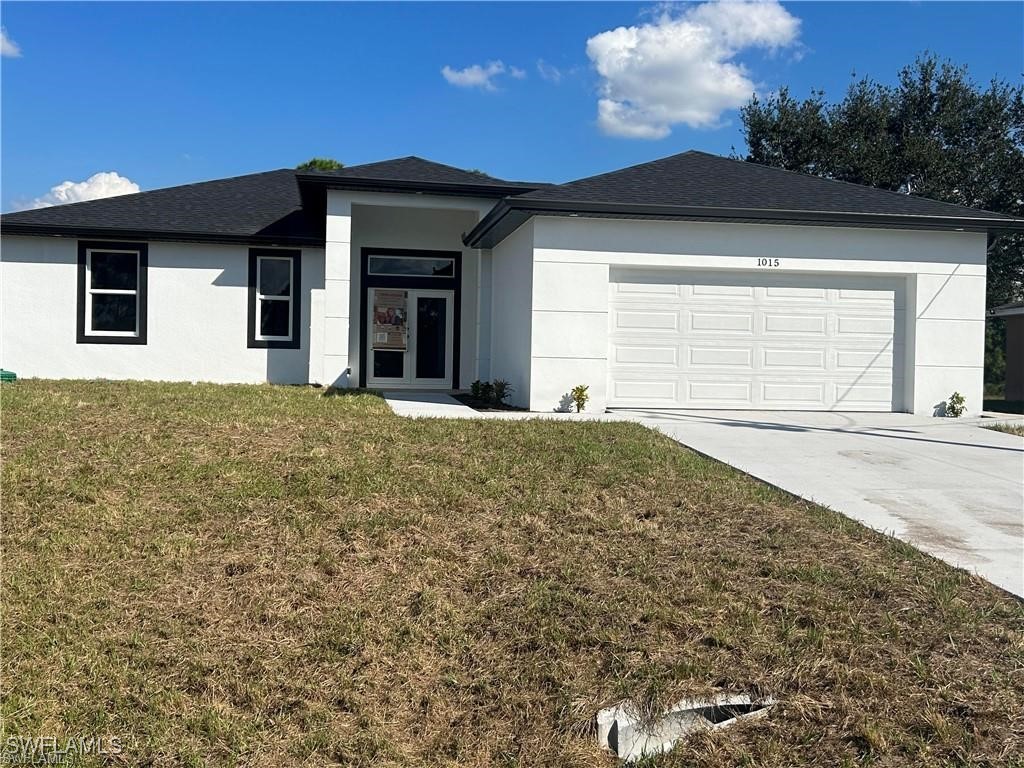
x=753, y=340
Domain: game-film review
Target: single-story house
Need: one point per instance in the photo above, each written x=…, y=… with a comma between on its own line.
x=693, y=281
x=1013, y=314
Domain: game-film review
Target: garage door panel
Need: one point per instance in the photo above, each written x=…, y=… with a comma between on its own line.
x=643, y=290
x=714, y=356
x=808, y=359
x=792, y=394
x=781, y=293
x=698, y=291
x=709, y=394
x=747, y=340
x=778, y=323
x=721, y=322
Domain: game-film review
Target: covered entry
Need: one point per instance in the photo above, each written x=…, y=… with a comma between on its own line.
x=410, y=318
x=751, y=340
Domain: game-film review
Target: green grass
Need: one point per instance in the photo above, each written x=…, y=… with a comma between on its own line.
x=1010, y=429
x=269, y=576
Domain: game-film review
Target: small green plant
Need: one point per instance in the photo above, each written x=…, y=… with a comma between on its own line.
x=955, y=405
x=500, y=391
x=580, y=395
x=476, y=389
x=486, y=391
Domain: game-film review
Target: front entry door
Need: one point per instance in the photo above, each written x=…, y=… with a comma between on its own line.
x=410, y=334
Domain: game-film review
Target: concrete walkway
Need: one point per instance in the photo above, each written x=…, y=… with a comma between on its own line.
x=437, y=405
x=947, y=486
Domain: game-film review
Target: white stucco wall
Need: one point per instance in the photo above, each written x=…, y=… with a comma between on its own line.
x=197, y=316
x=944, y=273
x=534, y=310
x=512, y=337
x=357, y=220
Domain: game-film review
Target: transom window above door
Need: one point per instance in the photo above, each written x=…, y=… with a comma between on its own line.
x=112, y=293
x=411, y=266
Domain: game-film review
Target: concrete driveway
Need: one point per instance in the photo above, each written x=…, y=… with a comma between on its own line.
x=947, y=486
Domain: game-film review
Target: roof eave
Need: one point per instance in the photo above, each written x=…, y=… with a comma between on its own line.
x=456, y=189
x=112, y=233
x=523, y=209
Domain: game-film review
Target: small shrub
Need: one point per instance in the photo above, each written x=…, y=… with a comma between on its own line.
x=486, y=391
x=500, y=391
x=476, y=389
x=580, y=395
x=955, y=405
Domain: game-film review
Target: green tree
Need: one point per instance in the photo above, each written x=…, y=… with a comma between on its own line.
x=320, y=164
x=933, y=133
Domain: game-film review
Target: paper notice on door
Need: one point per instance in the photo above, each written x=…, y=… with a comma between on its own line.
x=390, y=319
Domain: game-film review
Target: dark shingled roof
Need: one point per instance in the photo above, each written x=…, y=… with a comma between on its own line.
x=697, y=186
x=416, y=169
x=286, y=207
x=699, y=179
x=260, y=207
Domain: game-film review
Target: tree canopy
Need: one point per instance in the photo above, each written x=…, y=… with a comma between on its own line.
x=933, y=133
x=320, y=164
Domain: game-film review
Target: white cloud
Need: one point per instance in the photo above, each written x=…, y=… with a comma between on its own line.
x=549, y=72
x=483, y=77
x=105, y=184
x=681, y=67
x=8, y=48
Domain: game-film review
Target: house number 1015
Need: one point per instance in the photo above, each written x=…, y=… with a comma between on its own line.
x=767, y=262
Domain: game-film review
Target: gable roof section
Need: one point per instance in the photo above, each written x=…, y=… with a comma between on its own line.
x=258, y=208
x=704, y=187
x=415, y=174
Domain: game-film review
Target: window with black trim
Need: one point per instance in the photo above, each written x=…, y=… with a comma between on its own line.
x=274, y=298
x=112, y=292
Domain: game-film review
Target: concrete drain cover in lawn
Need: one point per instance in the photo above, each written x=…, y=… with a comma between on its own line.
x=631, y=735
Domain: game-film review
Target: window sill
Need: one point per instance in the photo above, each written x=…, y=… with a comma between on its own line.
x=97, y=339
x=268, y=344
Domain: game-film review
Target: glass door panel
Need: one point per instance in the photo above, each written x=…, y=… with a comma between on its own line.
x=388, y=336
x=431, y=337
x=409, y=338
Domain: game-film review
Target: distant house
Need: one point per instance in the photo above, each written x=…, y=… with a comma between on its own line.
x=1014, y=315
x=693, y=281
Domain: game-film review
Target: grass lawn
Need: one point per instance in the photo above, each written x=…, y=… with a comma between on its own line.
x=1010, y=429
x=270, y=576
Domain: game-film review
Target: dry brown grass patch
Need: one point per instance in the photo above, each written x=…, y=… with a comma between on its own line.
x=268, y=576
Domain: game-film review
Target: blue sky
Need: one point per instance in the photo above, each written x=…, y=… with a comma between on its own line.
x=165, y=94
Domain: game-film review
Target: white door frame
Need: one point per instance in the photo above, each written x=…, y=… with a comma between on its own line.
x=409, y=380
